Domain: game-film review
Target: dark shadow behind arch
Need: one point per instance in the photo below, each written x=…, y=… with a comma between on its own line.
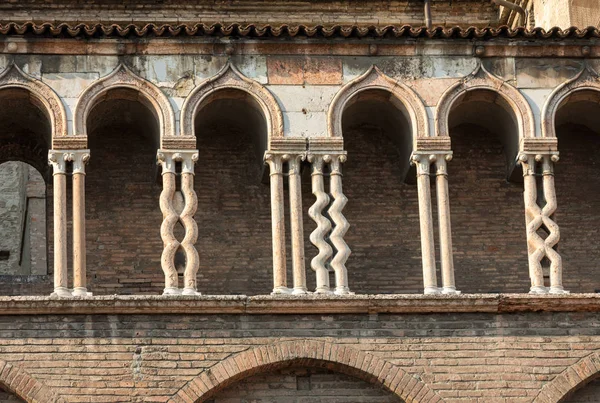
x=382, y=208
x=233, y=214
x=577, y=181
x=487, y=210
x=122, y=193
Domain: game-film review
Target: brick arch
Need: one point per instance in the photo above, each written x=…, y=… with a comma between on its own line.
x=18, y=381
x=123, y=78
x=311, y=353
x=229, y=77
x=481, y=79
x=586, y=80
x=375, y=79
x=42, y=96
x=571, y=380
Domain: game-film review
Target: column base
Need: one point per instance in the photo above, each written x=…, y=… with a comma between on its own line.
x=430, y=290
x=171, y=291
x=81, y=292
x=190, y=291
x=61, y=292
x=281, y=290
x=558, y=290
x=538, y=289
x=450, y=291
x=299, y=291
x=323, y=291
x=342, y=291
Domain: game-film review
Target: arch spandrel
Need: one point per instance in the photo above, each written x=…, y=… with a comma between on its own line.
x=44, y=97
x=18, y=381
x=340, y=358
x=229, y=77
x=481, y=79
x=123, y=78
x=586, y=80
x=375, y=79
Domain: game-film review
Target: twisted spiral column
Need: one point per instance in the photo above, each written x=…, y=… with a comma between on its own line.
x=539, y=248
x=296, y=225
x=341, y=225
x=192, y=261
x=58, y=160
x=275, y=162
x=423, y=164
x=317, y=237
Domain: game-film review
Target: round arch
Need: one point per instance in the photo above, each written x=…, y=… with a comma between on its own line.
x=123, y=78
x=42, y=95
x=481, y=79
x=18, y=381
x=345, y=359
x=229, y=77
x=375, y=79
x=586, y=80
x=571, y=379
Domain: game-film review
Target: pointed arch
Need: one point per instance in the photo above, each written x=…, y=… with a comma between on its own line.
x=375, y=79
x=311, y=353
x=571, y=380
x=43, y=97
x=123, y=78
x=586, y=80
x=481, y=79
x=229, y=77
x=18, y=381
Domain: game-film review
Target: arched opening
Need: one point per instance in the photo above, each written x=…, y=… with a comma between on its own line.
x=487, y=204
x=301, y=384
x=122, y=193
x=588, y=393
x=577, y=181
x=382, y=208
x=233, y=214
x=25, y=211
x=9, y=397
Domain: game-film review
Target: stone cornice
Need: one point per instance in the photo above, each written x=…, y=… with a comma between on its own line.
x=311, y=304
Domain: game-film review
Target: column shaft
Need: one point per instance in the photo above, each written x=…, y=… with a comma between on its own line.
x=341, y=225
x=317, y=237
x=60, y=235
x=79, y=256
x=445, y=230
x=296, y=225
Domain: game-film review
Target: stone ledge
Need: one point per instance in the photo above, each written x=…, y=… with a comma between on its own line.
x=310, y=304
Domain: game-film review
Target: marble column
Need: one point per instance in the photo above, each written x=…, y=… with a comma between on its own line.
x=80, y=159
x=296, y=223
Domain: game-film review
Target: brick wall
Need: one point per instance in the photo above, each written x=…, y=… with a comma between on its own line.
x=588, y=394
x=460, y=357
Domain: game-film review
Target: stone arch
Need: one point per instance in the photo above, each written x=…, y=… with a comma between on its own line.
x=481, y=79
x=586, y=80
x=571, y=379
x=229, y=77
x=375, y=79
x=345, y=359
x=123, y=78
x=18, y=381
x=43, y=97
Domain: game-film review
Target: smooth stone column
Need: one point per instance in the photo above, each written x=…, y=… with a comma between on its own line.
x=423, y=163
x=296, y=224
x=58, y=161
x=275, y=162
x=443, y=200
x=80, y=158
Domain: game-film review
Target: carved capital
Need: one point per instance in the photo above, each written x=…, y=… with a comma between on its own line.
x=295, y=162
x=528, y=161
x=316, y=161
x=79, y=158
x=423, y=161
x=168, y=159
x=58, y=159
x=335, y=162
x=275, y=162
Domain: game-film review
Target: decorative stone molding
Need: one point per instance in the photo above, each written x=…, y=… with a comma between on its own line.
x=375, y=79
x=586, y=79
x=168, y=160
x=229, y=77
x=481, y=79
x=570, y=380
x=123, y=77
x=43, y=95
x=539, y=248
x=344, y=359
x=18, y=381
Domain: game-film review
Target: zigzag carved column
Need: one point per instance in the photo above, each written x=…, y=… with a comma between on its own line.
x=541, y=153
x=168, y=159
x=329, y=152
